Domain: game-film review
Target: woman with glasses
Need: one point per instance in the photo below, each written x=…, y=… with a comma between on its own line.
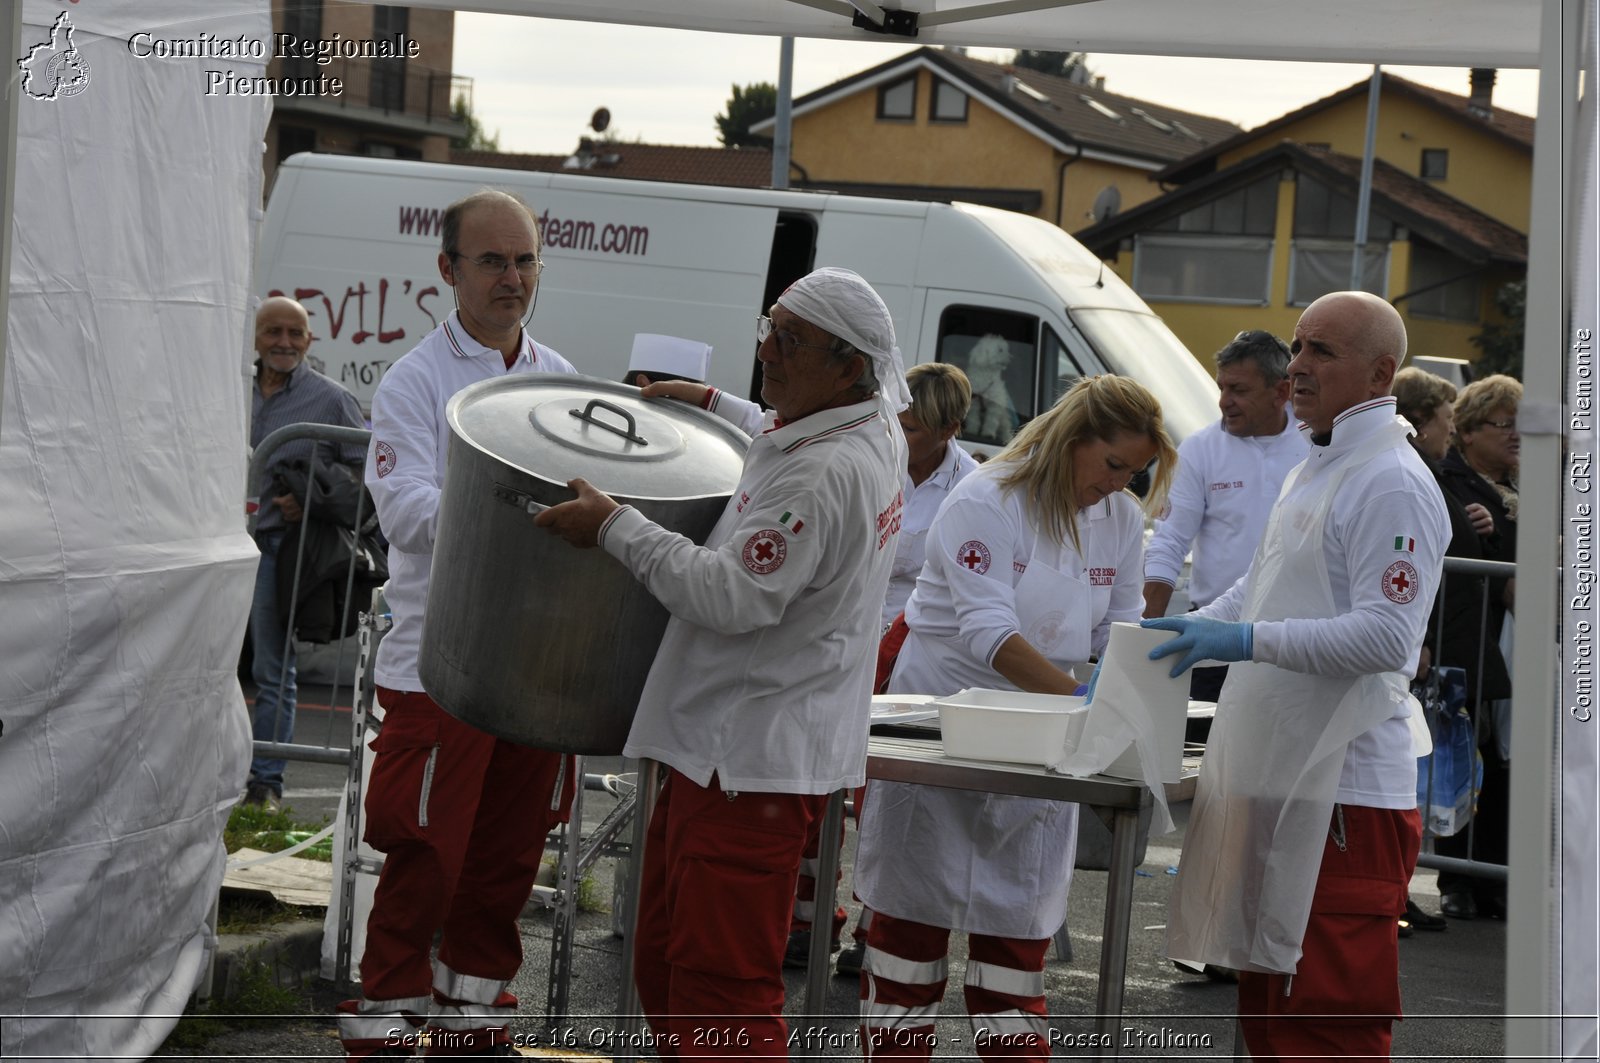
x=1029, y=561
x=1483, y=468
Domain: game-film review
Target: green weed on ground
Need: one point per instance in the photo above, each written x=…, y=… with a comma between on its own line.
x=256, y=827
x=255, y=994
x=591, y=898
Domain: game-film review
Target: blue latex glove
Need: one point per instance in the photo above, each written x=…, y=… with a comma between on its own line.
x=1087, y=690
x=1200, y=638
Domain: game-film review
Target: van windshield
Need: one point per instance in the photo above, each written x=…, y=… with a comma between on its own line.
x=1144, y=348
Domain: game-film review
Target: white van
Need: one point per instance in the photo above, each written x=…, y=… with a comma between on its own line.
x=1013, y=300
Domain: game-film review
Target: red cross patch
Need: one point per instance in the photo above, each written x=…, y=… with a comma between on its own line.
x=764, y=551
x=383, y=459
x=1400, y=582
x=973, y=555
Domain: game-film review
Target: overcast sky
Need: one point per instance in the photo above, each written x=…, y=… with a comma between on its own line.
x=537, y=81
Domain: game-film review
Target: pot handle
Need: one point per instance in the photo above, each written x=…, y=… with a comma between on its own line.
x=518, y=499
x=631, y=433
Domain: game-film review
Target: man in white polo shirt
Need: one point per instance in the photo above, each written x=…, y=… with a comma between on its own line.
x=1228, y=477
x=461, y=816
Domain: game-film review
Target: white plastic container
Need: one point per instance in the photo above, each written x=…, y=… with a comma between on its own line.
x=1010, y=726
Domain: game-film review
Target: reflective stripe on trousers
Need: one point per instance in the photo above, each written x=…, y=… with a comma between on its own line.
x=903, y=980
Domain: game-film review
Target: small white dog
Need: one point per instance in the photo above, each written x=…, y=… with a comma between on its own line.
x=992, y=415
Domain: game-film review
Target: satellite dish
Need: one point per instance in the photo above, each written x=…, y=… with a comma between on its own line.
x=600, y=119
x=1106, y=204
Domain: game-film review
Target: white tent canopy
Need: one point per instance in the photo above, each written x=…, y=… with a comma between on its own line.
x=1498, y=33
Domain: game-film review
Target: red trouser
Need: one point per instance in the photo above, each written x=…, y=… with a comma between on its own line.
x=903, y=978
x=461, y=817
x=805, y=887
x=1350, y=966
x=718, y=885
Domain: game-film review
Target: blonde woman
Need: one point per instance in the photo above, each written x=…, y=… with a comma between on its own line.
x=1029, y=562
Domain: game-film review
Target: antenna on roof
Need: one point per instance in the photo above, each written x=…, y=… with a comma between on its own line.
x=600, y=119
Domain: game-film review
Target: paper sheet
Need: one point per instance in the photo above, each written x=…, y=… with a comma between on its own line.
x=1139, y=709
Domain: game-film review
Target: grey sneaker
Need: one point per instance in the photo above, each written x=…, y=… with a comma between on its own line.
x=258, y=793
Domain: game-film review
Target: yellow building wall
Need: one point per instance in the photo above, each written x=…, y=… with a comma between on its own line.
x=1489, y=173
x=1206, y=328
x=846, y=141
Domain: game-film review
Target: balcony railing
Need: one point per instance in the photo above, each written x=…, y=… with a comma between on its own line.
x=395, y=87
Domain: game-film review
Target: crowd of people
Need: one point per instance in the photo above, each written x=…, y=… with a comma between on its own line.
x=1318, y=511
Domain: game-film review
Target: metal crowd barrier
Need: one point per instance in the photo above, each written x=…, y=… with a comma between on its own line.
x=334, y=749
x=1486, y=571
x=575, y=854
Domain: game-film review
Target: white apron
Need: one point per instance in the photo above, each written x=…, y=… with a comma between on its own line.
x=981, y=863
x=1267, y=785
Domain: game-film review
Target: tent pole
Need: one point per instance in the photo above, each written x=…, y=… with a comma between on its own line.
x=1358, y=252
x=782, y=138
x=1533, y=994
x=10, y=44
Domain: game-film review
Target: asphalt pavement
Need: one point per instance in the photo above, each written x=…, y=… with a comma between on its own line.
x=1453, y=982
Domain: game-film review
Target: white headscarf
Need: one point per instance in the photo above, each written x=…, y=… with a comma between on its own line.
x=840, y=302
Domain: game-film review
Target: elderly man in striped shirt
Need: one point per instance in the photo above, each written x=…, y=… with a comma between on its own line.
x=287, y=391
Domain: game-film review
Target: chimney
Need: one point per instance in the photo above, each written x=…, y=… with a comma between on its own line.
x=1099, y=82
x=1478, y=103
x=1008, y=84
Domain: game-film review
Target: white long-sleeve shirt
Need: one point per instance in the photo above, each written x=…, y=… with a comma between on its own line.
x=1384, y=545
x=979, y=548
x=1223, y=491
x=406, y=464
x=741, y=413
x=764, y=675
x=922, y=505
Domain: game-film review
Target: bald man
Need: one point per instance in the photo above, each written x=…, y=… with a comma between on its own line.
x=1304, y=831
x=287, y=391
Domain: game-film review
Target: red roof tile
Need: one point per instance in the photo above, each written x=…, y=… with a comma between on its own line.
x=737, y=167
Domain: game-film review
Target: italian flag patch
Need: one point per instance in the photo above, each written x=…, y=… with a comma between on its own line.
x=1407, y=545
x=792, y=522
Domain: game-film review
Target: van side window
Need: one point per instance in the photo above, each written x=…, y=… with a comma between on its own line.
x=995, y=348
x=1060, y=369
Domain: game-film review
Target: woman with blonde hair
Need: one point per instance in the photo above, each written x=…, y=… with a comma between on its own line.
x=1029, y=562
x=1483, y=469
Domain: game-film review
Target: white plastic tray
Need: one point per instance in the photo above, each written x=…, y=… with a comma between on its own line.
x=1010, y=726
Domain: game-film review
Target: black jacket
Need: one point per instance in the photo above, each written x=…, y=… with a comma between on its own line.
x=339, y=532
x=1462, y=595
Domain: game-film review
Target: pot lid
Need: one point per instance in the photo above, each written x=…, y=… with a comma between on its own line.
x=560, y=426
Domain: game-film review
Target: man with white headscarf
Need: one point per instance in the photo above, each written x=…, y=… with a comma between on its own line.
x=758, y=700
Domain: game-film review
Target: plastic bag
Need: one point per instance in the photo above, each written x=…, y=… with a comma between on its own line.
x=1449, y=778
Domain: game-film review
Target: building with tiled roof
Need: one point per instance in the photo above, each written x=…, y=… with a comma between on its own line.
x=738, y=167
x=1263, y=222
x=1419, y=130
x=939, y=125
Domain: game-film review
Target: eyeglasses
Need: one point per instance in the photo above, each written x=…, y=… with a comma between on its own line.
x=1504, y=426
x=787, y=343
x=494, y=265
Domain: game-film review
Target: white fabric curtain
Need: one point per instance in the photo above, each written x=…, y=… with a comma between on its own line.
x=125, y=573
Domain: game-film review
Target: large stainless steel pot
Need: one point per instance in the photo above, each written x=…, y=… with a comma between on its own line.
x=525, y=637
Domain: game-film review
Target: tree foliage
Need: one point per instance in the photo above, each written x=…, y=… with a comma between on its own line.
x=1071, y=65
x=1501, y=341
x=475, y=138
x=746, y=107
